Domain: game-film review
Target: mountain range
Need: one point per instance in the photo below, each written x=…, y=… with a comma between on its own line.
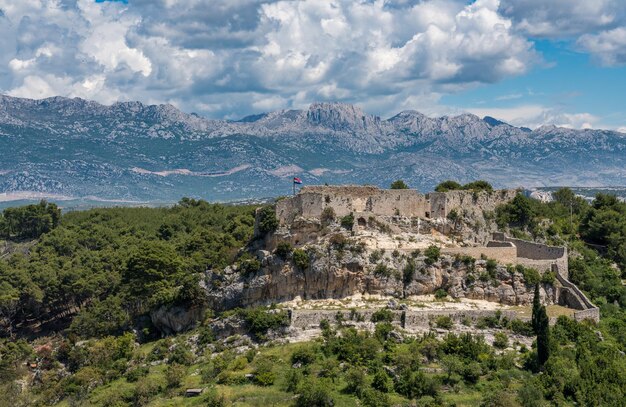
x=130, y=151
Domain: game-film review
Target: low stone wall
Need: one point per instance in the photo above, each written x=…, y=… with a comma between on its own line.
x=537, y=255
x=504, y=255
x=573, y=297
x=409, y=319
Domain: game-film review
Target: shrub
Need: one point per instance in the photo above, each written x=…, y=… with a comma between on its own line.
x=548, y=277
x=491, y=267
x=268, y=222
x=211, y=398
x=479, y=185
x=382, y=270
x=181, y=355
x=521, y=327
x=304, y=355
x=301, y=259
x=449, y=185
x=355, y=380
x=328, y=216
x=313, y=393
x=283, y=250
x=381, y=381
x=471, y=372
x=338, y=241
x=174, y=375
x=444, y=322
x=531, y=276
x=432, y=254
x=249, y=265
x=501, y=341
x=382, y=315
x=440, y=294
x=263, y=374
x=259, y=320
x=347, y=221
x=374, y=398
x=399, y=184
x=408, y=272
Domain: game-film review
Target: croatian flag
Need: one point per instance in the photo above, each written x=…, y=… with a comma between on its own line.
x=297, y=180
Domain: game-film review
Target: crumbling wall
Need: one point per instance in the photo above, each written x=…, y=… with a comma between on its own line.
x=312, y=200
x=537, y=255
x=503, y=255
x=468, y=203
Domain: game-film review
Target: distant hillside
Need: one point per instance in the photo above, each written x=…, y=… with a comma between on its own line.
x=135, y=152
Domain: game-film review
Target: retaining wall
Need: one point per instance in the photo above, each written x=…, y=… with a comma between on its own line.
x=504, y=255
x=409, y=319
x=537, y=255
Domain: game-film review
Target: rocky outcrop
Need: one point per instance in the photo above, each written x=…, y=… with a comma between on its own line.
x=170, y=320
x=339, y=267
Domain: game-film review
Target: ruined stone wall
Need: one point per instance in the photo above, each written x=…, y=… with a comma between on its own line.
x=312, y=200
x=537, y=255
x=503, y=255
x=409, y=319
x=468, y=203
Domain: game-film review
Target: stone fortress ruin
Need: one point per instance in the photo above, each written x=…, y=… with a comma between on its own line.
x=362, y=248
x=370, y=204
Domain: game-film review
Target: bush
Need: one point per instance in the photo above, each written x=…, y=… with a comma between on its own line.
x=174, y=375
x=381, y=270
x=328, y=216
x=408, y=272
x=440, y=294
x=248, y=265
x=374, y=398
x=301, y=259
x=479, y=185
x=263, y=374
x=355, y=380
x=304, y=355
x=268, y=222
x=381, y=381
x=491, y=267
x=521, y=327
x=500, y=341
x=531, y=276
x=382, y=315
x=399, y=184
x=212, y=398
x=548, y=277
x=432, y=254
x=259, y=320
x=283, y=250
x=449, y=185
x=312, y=393
x=347, y=222
x=444, y=322
x=338, y=241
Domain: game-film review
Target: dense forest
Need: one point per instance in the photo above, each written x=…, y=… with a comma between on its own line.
x=74, y=290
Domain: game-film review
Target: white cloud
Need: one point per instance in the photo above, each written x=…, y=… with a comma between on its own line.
x=609, y=47
x=534, y=116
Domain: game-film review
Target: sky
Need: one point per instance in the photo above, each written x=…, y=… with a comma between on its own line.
x=527, y=62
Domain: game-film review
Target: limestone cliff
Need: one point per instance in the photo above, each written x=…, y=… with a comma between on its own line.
x=343, y=263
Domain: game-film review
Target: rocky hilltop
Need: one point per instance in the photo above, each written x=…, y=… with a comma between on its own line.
x=137, y=152
x=342, y=242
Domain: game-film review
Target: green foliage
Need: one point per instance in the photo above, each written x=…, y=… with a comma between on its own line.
x=249, y=265
x=449, y=185
x=303, y=355
x=174, y=375
x=531, y=275
x=283, y=250
x=268, y=222
x=102, y=318
x=347, y=222
x=328, y=216
x=381, y=270
x=408, y=272
x=521, y=212
x=444, y=322
x=314, y=393
x=382, y=315
x=301, y=259
x=440, y=294
x=432, y=253
x=501, y=340
x=29, y=222
x=260, y=320
x=355, y=381
x=399, y=184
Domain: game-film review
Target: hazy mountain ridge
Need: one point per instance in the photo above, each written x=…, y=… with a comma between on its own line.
x=155, y=152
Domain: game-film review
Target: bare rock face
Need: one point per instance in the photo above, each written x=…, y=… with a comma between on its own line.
x=174, y=319
x=337, y=271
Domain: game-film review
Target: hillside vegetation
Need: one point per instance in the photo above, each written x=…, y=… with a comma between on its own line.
x=75, y=330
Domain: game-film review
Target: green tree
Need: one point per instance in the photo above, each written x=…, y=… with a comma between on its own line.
x=449, y=185
x=268, y=222
x=399, y=184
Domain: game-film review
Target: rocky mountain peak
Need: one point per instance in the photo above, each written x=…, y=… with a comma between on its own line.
x=341, y=116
